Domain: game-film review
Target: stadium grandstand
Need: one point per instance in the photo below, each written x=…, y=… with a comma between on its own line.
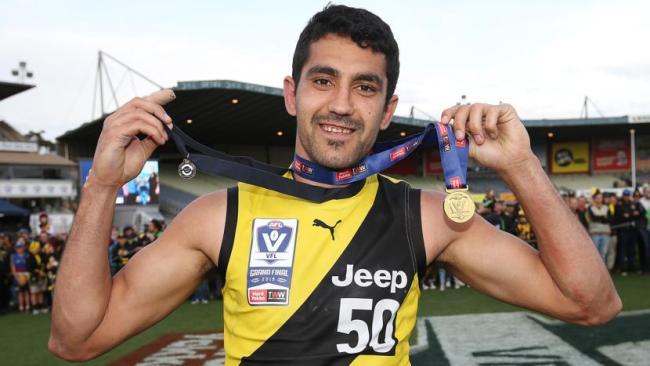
x=247, y=119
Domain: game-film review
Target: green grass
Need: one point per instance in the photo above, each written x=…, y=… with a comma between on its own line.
x=23, y=338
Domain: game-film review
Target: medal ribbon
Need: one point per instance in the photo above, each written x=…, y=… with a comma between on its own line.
x=453, y=155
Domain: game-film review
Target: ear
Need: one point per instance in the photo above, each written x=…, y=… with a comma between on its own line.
x=389, y=110
x=290, y=95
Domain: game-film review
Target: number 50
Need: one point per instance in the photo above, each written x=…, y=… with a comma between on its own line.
x=348, y=325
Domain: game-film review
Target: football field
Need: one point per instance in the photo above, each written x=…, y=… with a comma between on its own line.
x=455, y=327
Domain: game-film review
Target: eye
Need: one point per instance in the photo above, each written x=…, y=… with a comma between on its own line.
x=322, y=82
x=366, y=88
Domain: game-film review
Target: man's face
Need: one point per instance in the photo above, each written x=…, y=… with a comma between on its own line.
x=339, y=103
x=582, y=202
x=598, y=199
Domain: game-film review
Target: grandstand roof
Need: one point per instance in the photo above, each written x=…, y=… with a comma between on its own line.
x=8, y=89
x=226, y=112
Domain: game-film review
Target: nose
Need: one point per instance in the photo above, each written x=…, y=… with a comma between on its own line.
x=341, y=103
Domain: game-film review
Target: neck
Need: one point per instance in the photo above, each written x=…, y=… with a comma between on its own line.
x=299, y=178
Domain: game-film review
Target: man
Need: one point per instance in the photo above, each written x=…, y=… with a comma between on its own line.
x=499, y=218
x=642, y=239
x=599, y=229
x=354, y=284
x=627, y=214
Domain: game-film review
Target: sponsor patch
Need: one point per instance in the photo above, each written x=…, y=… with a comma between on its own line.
x=398, y=153
x=455, y=182
x=343, y=174
x=270, y=263
x=303, y=167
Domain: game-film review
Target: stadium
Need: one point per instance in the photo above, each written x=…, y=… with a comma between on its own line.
x=41, y=181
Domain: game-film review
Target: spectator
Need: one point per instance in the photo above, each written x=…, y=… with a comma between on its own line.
x=578, y=208
x=38, y=277
x=20, y=261
x=598, y=224
x=488, y=200
x=612, y=201
x=627, y=214
x=4, y=272
x=51, y=267
x=641, y=231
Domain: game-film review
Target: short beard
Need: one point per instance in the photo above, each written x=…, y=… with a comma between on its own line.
x=319, y=157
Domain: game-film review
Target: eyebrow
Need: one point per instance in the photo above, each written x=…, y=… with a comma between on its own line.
x=328, y=70
x=320, y=69
x=371, y=77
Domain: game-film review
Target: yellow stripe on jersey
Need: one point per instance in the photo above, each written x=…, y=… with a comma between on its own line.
x=405, y=322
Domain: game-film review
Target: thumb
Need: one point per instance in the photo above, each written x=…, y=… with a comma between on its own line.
x=161, y=97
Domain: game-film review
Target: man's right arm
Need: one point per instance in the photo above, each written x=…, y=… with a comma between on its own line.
x=93, y=312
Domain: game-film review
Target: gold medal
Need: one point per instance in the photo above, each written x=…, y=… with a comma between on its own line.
x=458, y=205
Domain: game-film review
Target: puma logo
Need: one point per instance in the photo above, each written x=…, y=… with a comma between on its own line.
x=320, y=223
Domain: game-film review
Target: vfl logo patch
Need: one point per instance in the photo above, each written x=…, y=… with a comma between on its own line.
x=270, y=263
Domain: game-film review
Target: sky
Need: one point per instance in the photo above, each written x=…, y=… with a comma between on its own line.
x=543, y=57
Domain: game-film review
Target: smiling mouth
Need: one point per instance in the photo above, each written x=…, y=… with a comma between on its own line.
x=336, y=129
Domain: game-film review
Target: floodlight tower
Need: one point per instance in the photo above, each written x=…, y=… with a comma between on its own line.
x=22, y=73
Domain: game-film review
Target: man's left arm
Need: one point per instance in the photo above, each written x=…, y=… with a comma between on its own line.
x=566, y=278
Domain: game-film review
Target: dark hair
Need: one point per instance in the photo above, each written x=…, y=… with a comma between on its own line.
x=363, y=27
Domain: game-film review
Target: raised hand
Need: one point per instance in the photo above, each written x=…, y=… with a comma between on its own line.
x=499, y=139
x=120, y=154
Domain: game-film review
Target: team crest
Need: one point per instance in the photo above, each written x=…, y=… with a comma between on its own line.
x=271, y=261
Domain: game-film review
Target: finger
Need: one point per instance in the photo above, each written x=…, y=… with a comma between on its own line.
x=460, y=121
x=153, y=108
x=132, y=129
x=141, y=116
x=448, y=114
x=491, y=119
x=161, y=97
x=475, y=125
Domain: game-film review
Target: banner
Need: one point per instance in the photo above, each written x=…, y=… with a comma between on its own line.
x=610, y=155
x=569, y=157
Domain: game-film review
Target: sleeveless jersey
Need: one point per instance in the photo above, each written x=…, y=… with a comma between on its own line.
x=331, y=283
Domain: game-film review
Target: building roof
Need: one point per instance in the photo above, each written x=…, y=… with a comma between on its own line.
x=21, y=158
x=8, y=89
x=226, y=112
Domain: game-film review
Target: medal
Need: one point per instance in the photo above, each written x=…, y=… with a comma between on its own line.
x=454, y=154
x=186, y=169
x=458, y=205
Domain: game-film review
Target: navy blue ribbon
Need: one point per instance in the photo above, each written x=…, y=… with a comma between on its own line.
x=453, y=155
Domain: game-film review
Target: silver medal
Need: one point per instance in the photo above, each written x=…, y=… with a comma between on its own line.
x=186, y=169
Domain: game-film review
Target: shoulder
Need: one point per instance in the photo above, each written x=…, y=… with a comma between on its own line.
x=437, y=230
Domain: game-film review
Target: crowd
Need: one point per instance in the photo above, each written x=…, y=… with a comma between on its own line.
x=29, y=262
x=618, y=225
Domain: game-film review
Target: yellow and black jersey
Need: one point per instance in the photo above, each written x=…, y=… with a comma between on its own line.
x=331, y=283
